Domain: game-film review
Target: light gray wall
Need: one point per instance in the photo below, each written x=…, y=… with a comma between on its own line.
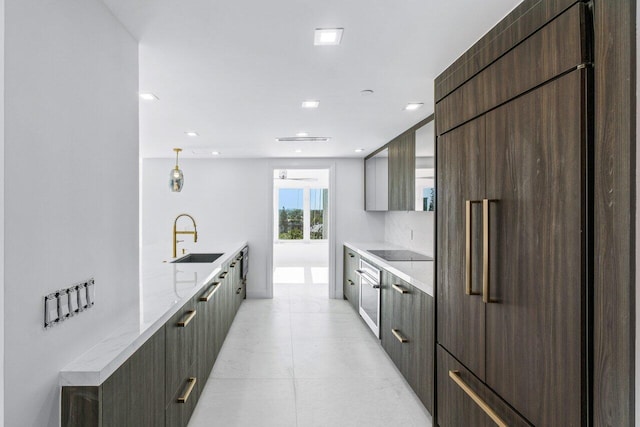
x=230, y=200
x=71, y=189
x=400, y=225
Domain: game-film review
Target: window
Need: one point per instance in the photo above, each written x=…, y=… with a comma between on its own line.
x=318, y=213
x=302, y=214
x=290, y=217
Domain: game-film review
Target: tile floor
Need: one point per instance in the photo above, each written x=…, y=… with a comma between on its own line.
x=304, y=360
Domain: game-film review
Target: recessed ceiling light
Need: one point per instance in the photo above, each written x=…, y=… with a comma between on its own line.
x=302, y=134
x=327, y=36
x=298, y=151
x=148, y=97
x=413, y=106
x=366, y=92
x=310, y=104
x=215, y=153
x=359, y=150
x=191, y=133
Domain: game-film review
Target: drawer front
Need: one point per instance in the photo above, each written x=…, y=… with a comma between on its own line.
x=224, y=277
x=207, y=332
x=184, y=400
x=350, y=288
x=181, y=346
x=464, y=401
x=407, y=334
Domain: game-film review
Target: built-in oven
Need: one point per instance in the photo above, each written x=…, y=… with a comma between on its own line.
x=370, y=295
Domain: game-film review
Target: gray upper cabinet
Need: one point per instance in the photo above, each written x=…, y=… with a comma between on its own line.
x=377, y=181
x=400, y=175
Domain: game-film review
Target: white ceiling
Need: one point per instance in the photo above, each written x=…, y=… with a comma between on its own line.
x=237, y=71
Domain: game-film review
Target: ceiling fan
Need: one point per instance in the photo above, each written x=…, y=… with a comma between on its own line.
x=283, y=176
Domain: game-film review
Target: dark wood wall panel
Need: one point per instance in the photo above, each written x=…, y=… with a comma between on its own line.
x=614, y=213
x=555, y=49
x=523, y=21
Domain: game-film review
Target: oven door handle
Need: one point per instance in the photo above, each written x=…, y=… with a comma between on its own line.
x=368, y=280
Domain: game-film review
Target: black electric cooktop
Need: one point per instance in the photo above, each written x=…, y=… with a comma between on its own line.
x=400, y=255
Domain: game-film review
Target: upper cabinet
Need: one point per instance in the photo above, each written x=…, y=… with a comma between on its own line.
x=377, y=181
x=425, y=168
x=400, y=175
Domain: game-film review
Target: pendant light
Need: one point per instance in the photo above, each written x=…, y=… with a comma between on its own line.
x=176, y=178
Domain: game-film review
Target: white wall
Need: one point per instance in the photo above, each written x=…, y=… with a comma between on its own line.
x=71, y=189
x=399, y=227
x=230, y=199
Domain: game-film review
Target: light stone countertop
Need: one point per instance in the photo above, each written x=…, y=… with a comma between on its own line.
x=417, y=273
x=164, y=289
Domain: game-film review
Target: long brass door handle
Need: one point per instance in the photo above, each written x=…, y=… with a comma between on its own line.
x=468, y=288
x=400, y=289
x=208, y=295
x=455, y=376
x=188, y=318
x=396, y=333
x=486, y=297
x=192, y=383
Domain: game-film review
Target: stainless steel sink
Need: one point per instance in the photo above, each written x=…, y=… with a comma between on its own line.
x=203, y=258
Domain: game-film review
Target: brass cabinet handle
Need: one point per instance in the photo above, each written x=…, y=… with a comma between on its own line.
x=233, y=265
x=400, y=289
x=351, y=255
x=467, y=240
x=238, y=291
x=192, y=383
x=468, y=287
x=222, y=275
x=455, y=376
x=208, y=295
x=399, y=337
x=239, y=258
x=188, y=318
x=350, y=282
x=485, y=252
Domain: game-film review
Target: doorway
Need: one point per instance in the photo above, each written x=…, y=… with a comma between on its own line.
x=301, y=213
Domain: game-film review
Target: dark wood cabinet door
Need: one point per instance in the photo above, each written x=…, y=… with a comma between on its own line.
x=402, y=160
x=390, y=319
x=183, y=402
x=207, y=331
x=456, y=407
x=421, y=368
x=134, y=394
x=461, y=171
x=181, y=347
x=535, y=146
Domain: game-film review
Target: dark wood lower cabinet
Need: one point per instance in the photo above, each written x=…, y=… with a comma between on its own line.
x=407, y=334
x=350, y=284
x=464, y=401
x=135, y=391
x=132, y=396
x=160, y=384
x=183, y=402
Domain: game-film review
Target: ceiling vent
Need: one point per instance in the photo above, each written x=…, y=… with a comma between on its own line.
x=304, y=139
